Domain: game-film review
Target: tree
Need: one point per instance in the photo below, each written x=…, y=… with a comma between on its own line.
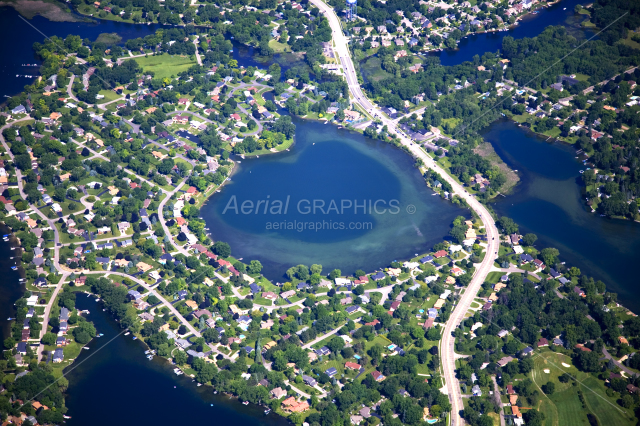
x=255, y=267
x=549, y=255
x=529, y=239
x=587, y=361
x=49, y=339
x=533, y=418
x=508, y=225
x=222, y=249
x=549, y=388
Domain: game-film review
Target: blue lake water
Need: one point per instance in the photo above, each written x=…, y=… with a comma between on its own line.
x=548, y=203
x=325, y=164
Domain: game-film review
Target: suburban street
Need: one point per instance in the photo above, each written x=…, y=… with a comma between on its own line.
x=447, y=349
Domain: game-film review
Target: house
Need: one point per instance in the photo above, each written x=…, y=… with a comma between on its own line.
x=331, y=372
x=542, y=342
x=20, y=109
x=378, y=276
x=291, y=405
x=58, y=355
x=623, y=340
x=269, y=295
x=476, y=390
x=426, y=259
x=527, y=351
x=504, y=361
x=287, y=294
x=439, y=254
x=525, y=258
x=352, y=366
x=539, y=264
x=308, y=380
x=323, y=351
x=278, y=393
x=133, y=295
x=352, y=309
x=378, y=376
x=579, y=291
x=457, y=271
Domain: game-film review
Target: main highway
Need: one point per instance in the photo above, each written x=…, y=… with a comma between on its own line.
x=447, y=345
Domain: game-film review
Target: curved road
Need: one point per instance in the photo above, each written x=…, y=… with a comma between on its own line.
x=448, y=341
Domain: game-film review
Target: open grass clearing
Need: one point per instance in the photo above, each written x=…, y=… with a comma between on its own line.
x=165, y=65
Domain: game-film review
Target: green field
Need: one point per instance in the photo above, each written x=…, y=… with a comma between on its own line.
x=165, y=65
x=563, y=407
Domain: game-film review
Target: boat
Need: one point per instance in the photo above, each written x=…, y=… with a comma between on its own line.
x=21, y=279
x=127, y=333
x=199, y=384
x=97, y=300
x=245, y=403
x=150, y=357
x=135, y=338
x=15, y=268
x=267, y=411
x=9, y=319
x=13, y=248
x=86, y=348
x=66, y=417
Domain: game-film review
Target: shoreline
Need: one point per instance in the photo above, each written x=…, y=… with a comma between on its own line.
x=582, y=187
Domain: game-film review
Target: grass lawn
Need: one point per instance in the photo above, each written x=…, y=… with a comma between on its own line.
x=109, y=95
x=382, y=341
x=165, y=65
x=494, y=277
x=279, y=47
x=261, y=301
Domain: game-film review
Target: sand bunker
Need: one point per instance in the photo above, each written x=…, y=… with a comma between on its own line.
x=547, y=371
x=565, y=365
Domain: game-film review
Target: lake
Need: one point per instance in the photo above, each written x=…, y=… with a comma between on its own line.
x=548, y=203
x=325, y=164
x=114, y=383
